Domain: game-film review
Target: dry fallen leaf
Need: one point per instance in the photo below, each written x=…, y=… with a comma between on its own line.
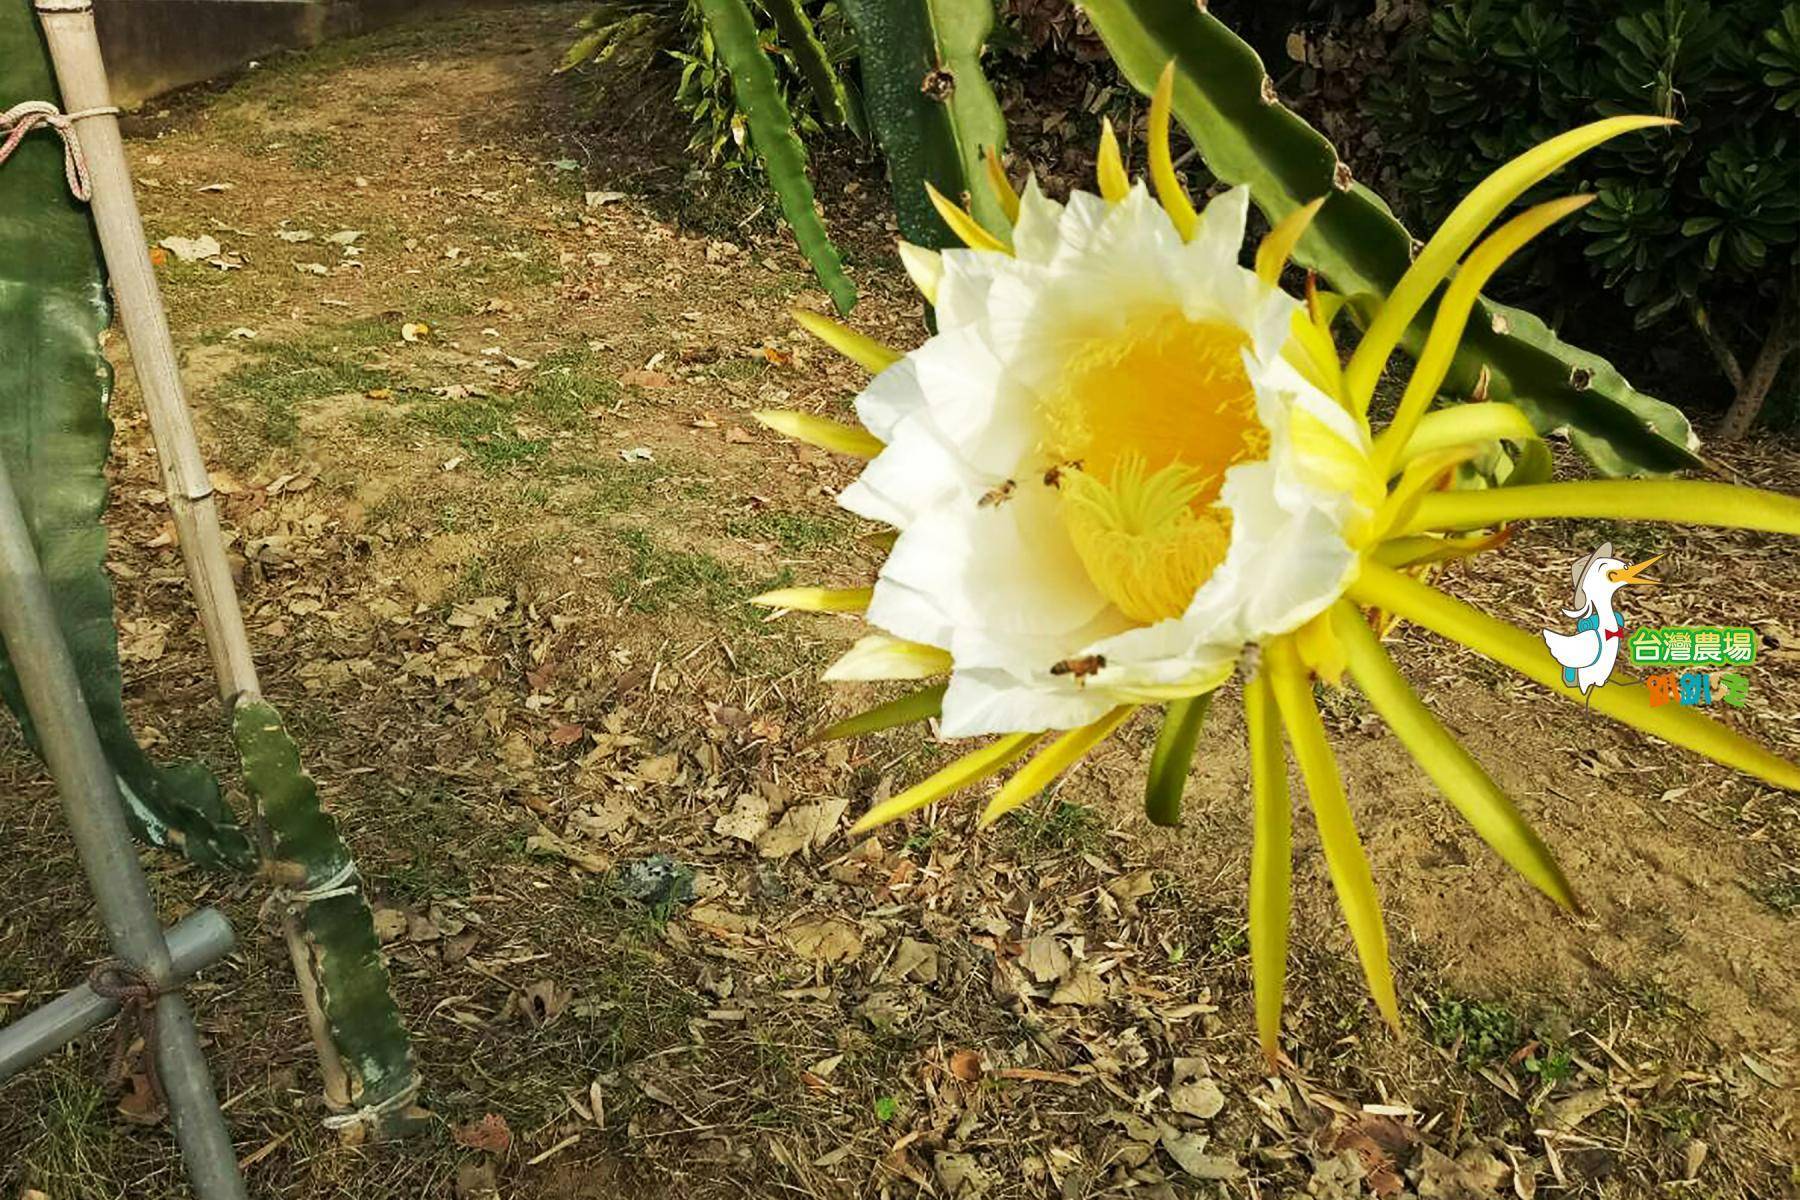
x=1044, y=957
x=191, y=249
x=1188, y=1151
x=390, y=924
x=827, y=940
x=915, y=961
x=1572, y=1110
x=1084, y=989
x=802, y=826
x=1200, y=1098
x=747, y=820
x=544, y=1001
x=966, y=1065
x=491, y=1133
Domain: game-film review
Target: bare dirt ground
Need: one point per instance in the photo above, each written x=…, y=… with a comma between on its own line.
x=495, y=573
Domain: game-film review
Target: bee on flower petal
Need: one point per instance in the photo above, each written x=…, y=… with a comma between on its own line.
x=1080, y=666
x=1054, y=476
x=997, y=496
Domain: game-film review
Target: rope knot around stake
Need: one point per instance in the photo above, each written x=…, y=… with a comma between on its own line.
x=135, y=991
x=23, y=117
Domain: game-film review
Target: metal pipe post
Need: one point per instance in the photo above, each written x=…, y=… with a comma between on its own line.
x=196, y=942
x=96, y=818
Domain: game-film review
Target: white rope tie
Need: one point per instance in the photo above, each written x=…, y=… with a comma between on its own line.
x=337, y=885
x=22, y=118
x=371, y=1114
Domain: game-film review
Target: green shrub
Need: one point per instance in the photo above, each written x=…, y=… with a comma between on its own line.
x=643, y=35
x=1695, y=230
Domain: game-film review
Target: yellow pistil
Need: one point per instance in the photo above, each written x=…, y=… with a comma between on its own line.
x=1141, y=433
x=1146, y=543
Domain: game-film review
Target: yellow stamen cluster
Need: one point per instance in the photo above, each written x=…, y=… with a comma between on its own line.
x=1149, y=419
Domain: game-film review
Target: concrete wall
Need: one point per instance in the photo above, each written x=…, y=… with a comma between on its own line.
x=155, y=46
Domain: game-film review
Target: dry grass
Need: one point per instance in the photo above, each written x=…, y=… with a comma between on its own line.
x=487, y=624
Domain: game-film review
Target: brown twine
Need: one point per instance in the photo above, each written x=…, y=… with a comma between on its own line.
x=22, y=118
x=135, y=991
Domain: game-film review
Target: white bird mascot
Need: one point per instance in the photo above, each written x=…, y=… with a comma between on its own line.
x=1587, y=655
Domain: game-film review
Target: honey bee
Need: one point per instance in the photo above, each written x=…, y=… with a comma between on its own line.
x=997, y=496
x=1080, y=667
x=1053, y=477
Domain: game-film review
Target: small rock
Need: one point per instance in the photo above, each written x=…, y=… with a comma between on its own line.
x=656, y=880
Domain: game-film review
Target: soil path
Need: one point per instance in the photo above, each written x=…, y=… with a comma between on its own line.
x=478, y=391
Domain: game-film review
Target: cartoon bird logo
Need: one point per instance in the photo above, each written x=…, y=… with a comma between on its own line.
x=1587, y=655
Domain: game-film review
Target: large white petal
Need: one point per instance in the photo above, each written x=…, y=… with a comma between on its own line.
x=917, y=471
x=1284, y=567
x=987, y=700
x=1004, y=578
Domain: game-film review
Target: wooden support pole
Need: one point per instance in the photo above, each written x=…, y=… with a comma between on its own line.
x=81, y=77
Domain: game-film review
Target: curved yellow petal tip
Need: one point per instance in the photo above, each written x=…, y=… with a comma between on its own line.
x=1273, y=252
x=817, y=599
x=967, y=229
x=1109, y=166
x=1169, y=191
x=1000, y=185
x=859, y=348
x=924, y=267
x=820, y=431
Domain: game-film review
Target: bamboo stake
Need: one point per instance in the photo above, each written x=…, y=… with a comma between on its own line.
x=75, y=52
x=81, y=76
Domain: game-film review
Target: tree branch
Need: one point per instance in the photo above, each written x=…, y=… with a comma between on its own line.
x=1721, y=352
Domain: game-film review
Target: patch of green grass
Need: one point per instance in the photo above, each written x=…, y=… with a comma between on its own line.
x=425, y=877
x=794, y=532
x=75, y=1151
x=739, y=366
x=1060, y=826
x=264, y=394
x=1650, y=997
x=483, y=427
x=1781, y=895
x=1678, y=1121
x=1479, y=1032
x=485, y=574
x=1552, y=1066
x=658, y=579
x=611, y=487
x=309, y=149
x=1229, y=943
x=632, y=1008
x=1340, y=705
x=566, y=386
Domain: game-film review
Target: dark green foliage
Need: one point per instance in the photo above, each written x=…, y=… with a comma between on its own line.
x=645, y=35
x=931, y=106
x=54, y=386
x=1696, y=229
x=756, y=90
x=1173, y=757
x=1479, y=1033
